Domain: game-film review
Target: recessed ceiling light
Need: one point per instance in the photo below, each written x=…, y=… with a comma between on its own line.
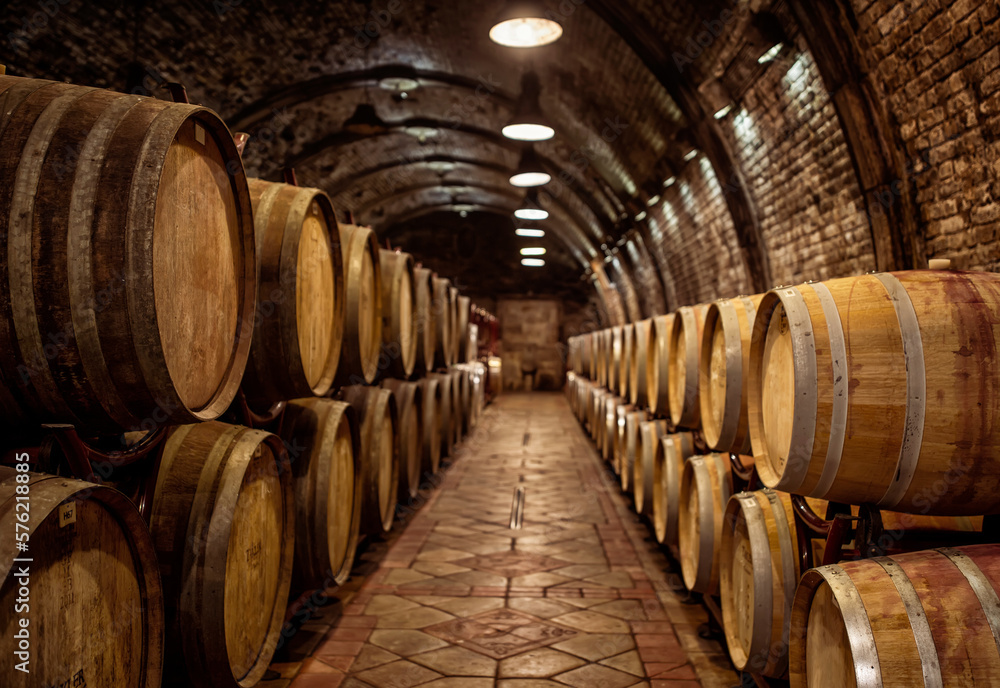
x=653, y=201
x=532, y=262
x=691, y=155
x=527, y=232
x=531, y=214
x=641, y=216
x=722, y=112
x=533, y=251
x=669, y=182
x=399, y=83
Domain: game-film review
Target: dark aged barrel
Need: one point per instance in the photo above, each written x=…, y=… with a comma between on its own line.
x=668, y=469
x=642, y=341
x=431, y=393
x=922, y=619
x=658, y=365
x=426, y=322
x=379, y=455
x=362, y=343
x=843, y=375
x=478, y=391
x=724, y=371
x=128, y=270
x=460, y=403
x=444, y=317
x=446, y=412
x=685, y=351
x=410, y=403
x=456, y=334
x=92, y=562
x=223, y=523
x=706, y=486
x=324, y=447
x=399, y=308
x=650, y=433
x=300, y=317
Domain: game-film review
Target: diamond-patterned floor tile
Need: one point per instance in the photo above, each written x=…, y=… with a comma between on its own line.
x=501, y=633
x=512, y=563
x=457, y=661
x=401, y=674
x=541, y=663
x=596, y=676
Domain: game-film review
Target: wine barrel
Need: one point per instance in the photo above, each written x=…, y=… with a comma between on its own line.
x=614, y=360
x=223, y=523
x=597, y=421
x=624, y=372
x=494, y=376
x=841, y=373
x=682, y=378
x=723, y=373
x=627, y=468
x=609, y=434
x=410, y=403
x=650, y=433
x=129, y=275
x=706, y=485
x=323, y=441
x=920, y=619
x=658, y=365
x=94, y=603
x=444, y=318
x=379, y=455
x=601, y=357
x=399, y=314
x=431, y=394
x=446, y=412
x=583, y=387
x=463, y=328
x=359, y=354
x=426, y=321
x=642, y=341
x=758, y=572
x=668, y=469
x=622, y=412
x=300, y=321
x=478, y=391
x=463, y=394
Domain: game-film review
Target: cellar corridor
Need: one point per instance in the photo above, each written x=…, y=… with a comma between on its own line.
x=578, y=596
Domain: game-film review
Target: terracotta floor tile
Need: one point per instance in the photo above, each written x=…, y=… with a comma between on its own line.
x=542, y=608
x=597, y=646
x=541, y=663
x=318, y=681
x=457, y=661
x=401, y=674
x=590, y=621
x=372, y=656
x=596, y=676
x=629, y=662
x=413, y=618
x=404, y=642
x=470, y=606
x=459, y=682
x=388, y=604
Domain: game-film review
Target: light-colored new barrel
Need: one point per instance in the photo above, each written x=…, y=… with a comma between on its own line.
x=399, y=314
x=379, y=416
x=643, y=340
x=684, y=355
x=410, y=404
x=362, y=344
x=724, y=371
x=426, y=320
x=650, y=433
x=668, y=470
x=881, y=389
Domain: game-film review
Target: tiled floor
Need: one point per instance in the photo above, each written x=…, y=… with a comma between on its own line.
x=576, y=597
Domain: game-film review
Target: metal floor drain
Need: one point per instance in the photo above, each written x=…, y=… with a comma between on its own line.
x=527, y=437
x=517, y=509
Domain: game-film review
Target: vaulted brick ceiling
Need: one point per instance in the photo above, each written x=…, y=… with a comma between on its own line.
x=292, y=74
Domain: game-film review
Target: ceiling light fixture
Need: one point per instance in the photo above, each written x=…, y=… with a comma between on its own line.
x=533, y=251
x=670, y=181
x=691, y=155
x=772, y=54
x=530, y=209
x=528, y=232
x=723, y=111
x=524, y=24
x=400, y=84
x=532, y=262
x=528, y=122
x=653, y=201
x=641, y=216
x=530, y=171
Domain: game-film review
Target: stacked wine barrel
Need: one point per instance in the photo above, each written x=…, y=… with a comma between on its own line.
x=819, y=460
x=242, y=329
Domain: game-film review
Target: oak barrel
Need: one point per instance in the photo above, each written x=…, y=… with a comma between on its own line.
x=668, y=470
x=426, y=321
x=463, y=408
x=359, y=354
x=456, y=335
x=446, y=412
x=650, y=432
x=431, y=394
x=602, y=340
x=706, y=486
x=920, y=619
x=841, y=375
x=466, y=346
x=410, y=403
x=632, y=443
x=379, y=455
x=624, y=371
x=91, y=596
x=723, y=373
x=444, y=319
x=642, y=341
x=622, y=411
x=609, y=434
x=684, y=355
x=128, y=270
x=323, y=441
x=614, y=359
x=399, y=314
x=300, y=315
x=658, y=365
x=223, y=523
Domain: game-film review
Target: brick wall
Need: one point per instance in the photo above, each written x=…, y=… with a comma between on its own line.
x=938, y=64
